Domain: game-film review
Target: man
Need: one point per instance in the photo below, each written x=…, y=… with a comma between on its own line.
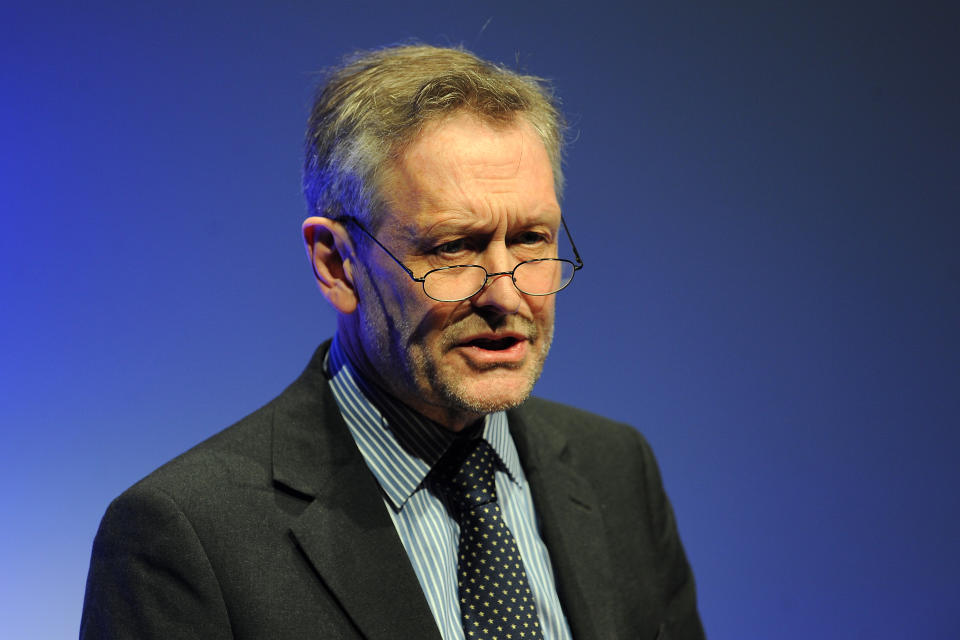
x=405, y=486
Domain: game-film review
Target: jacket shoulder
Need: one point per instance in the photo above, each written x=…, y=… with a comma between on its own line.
x=241, y=454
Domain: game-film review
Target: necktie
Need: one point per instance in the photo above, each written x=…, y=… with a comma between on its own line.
x=495, y=597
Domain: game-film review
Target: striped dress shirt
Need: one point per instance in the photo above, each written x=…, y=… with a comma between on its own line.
x=400, y=447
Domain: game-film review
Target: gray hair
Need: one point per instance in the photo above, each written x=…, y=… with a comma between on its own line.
x=374, y=105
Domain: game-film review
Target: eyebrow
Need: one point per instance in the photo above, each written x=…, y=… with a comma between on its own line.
x=453, y=225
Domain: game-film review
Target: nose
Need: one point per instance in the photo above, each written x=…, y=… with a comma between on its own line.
x=499, y=294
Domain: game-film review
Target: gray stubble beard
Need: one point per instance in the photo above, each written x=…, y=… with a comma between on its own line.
x=421, y=374
x=455, y=394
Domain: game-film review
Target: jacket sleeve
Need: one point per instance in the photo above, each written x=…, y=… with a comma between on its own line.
x=149, y=575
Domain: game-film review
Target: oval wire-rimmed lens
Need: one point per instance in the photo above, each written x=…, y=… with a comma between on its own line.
x=459, y=282
x=566, y=271
x=455, y=283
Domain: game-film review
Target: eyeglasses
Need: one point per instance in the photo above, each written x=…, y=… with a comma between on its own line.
x=537, y=277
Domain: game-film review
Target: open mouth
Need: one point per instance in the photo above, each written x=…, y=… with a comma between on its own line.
x=489, y=344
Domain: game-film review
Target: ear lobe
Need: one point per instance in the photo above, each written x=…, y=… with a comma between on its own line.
x=330, y=253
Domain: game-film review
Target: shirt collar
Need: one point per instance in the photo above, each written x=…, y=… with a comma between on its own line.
x=399, y=445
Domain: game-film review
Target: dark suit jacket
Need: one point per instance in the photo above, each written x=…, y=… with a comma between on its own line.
x=275, y=528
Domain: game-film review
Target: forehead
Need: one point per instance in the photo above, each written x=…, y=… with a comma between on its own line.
x=465, y=170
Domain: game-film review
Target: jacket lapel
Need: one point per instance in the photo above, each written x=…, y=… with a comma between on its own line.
x=570, y=523
x=345, y=532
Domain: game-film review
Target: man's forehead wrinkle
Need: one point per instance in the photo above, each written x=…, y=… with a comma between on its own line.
x=460, y=178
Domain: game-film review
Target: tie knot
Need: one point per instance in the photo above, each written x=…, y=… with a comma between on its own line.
x=466, y=475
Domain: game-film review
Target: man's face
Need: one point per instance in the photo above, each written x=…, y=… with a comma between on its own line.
x=464, y=192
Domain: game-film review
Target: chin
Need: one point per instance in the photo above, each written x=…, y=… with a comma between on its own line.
x=493, y=391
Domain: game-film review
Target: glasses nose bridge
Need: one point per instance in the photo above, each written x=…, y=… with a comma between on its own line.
x=500, y=273
x=497, y=274
x=498, y=256
x=505, y=296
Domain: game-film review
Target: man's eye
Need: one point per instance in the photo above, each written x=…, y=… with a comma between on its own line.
x=530, y=238
x=454, y=246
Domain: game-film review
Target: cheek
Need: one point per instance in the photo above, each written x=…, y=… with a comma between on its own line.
x=542, y=307
x=400, y=298
x=425, y=320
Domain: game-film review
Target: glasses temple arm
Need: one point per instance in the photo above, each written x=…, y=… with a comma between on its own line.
x=379, y=244
x=572, y=243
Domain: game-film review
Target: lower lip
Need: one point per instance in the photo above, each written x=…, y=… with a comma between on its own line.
x=512, y=354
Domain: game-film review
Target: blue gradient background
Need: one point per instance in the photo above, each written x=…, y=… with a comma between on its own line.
x=765, y=195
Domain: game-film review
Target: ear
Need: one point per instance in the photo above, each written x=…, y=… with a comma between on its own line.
x=331, y=254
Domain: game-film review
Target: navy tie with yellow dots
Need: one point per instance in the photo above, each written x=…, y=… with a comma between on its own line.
x=495, y=597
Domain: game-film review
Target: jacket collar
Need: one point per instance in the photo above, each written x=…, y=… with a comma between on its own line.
x=570, y=519
x=345, y=532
